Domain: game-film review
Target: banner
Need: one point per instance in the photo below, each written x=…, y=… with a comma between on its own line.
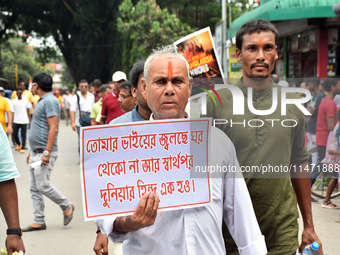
x=198, y=49
x=120, y=163
x=235, y=67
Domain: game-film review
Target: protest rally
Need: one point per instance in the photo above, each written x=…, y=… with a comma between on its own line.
x=170, y=128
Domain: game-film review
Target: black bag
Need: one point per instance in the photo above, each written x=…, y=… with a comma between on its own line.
x=84, y=117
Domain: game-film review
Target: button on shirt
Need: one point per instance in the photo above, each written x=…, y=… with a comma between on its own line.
x=48, y=106
x=85, y=105
x=198, y=230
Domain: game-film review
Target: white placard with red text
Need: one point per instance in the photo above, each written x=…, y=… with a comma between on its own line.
x=120, y=163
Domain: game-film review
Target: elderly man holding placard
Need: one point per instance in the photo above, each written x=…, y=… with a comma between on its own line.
x=195, y=230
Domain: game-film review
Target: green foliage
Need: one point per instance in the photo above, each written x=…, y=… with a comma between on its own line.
x=84, y=30
x=47, y=53
x=197, y=13
x=147, y=26
x=17, y=52
x=238, y=8
x=87, y=35
x=202, y=13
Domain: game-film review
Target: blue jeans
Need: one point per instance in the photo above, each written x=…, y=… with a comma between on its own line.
x=321, y=150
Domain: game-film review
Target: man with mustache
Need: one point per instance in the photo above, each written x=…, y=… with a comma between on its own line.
x=167, y=87
x=266, y=142
x=126, y=100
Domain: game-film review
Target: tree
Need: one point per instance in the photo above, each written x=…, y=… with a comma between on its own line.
x=238, y=8
x=84, y=30
x=67, y=80
x=147, y=26
x=15, y=51
x=197, y=13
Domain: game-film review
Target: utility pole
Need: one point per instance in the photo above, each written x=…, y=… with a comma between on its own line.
x=16, y=75
x=224, y=36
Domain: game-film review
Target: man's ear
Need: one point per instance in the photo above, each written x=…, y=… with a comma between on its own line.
x=143, y=87
x=238, y=55
x=133, y=92
x=276, y=55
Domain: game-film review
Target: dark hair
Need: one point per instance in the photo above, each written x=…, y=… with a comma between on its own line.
x=44, y=81
x=329, y=82
x=104, y=87
x=136, y=71
x=19, y=89
x=126, y=85
x=314, y=80
x=256, y=25
x=82, y=81
x=97, y=83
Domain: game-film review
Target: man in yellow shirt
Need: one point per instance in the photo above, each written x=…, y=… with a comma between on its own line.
x=25, y=92
x=4, y=108
x=35, y=99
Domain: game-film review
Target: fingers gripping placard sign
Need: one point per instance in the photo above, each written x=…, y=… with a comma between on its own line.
x=120, y=163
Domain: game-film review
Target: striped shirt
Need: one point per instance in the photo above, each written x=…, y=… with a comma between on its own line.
x=47, y=107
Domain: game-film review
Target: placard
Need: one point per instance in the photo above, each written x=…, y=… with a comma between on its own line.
x=120, y=163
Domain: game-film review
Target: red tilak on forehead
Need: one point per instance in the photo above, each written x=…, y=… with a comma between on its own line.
x=260, y=41
x=170, y=69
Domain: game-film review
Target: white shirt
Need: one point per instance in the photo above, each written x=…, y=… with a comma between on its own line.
x=67, y=99
x=199, y=230
x=20, y=110
x=10, y=107
x=85, y=105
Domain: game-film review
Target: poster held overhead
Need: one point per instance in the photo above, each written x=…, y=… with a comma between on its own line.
x=198, y=49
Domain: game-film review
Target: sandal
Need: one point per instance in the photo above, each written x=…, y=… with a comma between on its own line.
x=329, y=205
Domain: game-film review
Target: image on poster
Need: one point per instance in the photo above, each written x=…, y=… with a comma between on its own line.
x=198, y=49
x=120, y=163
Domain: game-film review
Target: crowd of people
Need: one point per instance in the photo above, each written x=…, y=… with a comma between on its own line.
x=321, y=127
x=246, y=216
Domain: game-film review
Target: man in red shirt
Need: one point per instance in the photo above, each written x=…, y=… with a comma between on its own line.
x=325, y=123
x=111, y=108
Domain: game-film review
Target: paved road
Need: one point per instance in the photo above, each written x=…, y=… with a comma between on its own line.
x=79, y=236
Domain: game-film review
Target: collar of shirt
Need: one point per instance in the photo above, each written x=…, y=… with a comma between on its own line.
x=45, y=96
x=186, y=116
x=256, y=94
x=135, y=114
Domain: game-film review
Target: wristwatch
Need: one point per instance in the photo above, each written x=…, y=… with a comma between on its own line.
x=14, y=231
x=46, y=153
